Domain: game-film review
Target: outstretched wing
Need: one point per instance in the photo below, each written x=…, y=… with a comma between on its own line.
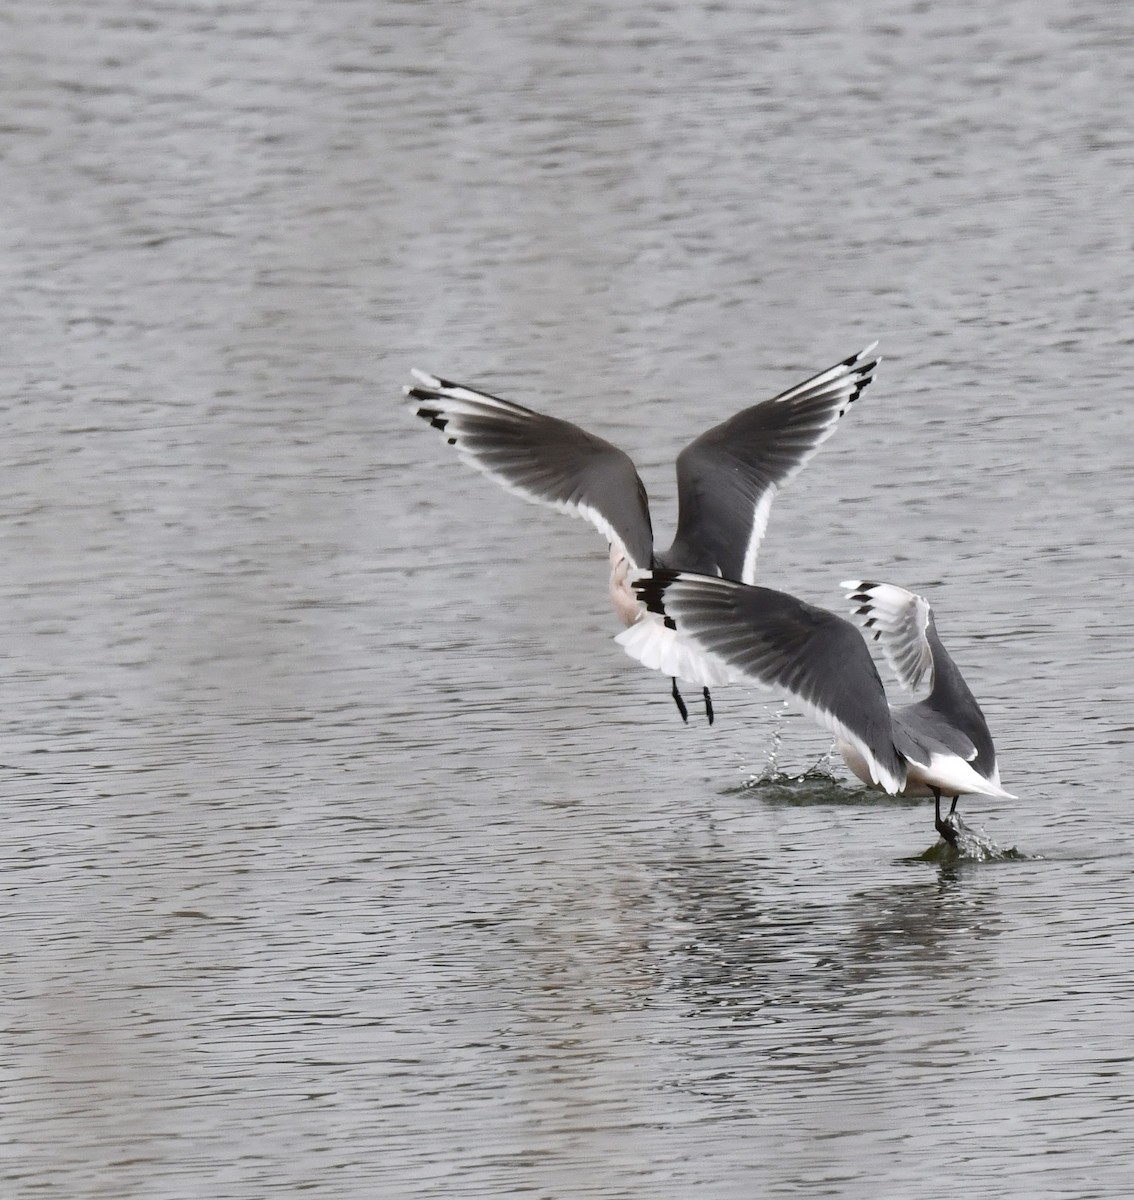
x=777, y=641
x=542, y=459
x=728, y=478
x=898, y=621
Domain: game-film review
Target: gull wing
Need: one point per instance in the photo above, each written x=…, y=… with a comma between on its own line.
x=777, y=641
x=543, y=459
x=898, y=621
x=728, y=477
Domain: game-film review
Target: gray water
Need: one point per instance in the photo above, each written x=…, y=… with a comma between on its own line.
x=344, y=851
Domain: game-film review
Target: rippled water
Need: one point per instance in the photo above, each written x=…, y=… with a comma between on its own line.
x=344, y=850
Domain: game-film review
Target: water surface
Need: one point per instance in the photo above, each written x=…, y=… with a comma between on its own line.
x=344, y=850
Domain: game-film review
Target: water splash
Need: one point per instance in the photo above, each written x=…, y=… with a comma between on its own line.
x=770, y=772
x=972, y=845
x=827, y=760
x=815, y=784
x=772, y=765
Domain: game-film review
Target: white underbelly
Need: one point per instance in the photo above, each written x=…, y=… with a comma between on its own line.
x=628, y=607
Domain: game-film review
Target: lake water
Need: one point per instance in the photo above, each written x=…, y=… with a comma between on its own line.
x=344, y=851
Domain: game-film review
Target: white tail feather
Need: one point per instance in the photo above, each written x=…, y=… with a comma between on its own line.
x=656, y=646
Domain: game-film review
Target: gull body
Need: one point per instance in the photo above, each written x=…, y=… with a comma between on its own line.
x=938, y=746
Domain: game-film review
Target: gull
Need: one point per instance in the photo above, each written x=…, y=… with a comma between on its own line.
x=727, y=480
x=938, y=746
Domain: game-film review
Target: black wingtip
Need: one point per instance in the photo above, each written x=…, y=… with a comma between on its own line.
x=435, y=416
x=651, y=589
x=865, y=374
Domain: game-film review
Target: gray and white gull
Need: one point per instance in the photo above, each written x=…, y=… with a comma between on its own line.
x=938, y=746
x=727, y=480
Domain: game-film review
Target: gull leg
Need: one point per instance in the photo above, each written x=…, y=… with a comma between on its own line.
x=680, y=702
x=943, y=827
x=708, y=704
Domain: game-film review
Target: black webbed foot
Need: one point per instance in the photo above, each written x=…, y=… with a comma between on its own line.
x=948, y=831
x=945, y=827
